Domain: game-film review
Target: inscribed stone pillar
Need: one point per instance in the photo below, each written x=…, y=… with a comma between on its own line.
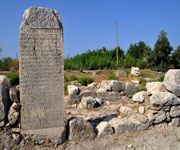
x=42, y=73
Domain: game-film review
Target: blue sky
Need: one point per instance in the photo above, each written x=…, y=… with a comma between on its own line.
x=89, y=24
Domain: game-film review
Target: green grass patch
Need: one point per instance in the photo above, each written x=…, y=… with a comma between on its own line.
x=161, y=78
x=111, y=76
x=85, y=80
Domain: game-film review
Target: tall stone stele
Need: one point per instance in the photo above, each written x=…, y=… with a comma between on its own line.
x=42, y=74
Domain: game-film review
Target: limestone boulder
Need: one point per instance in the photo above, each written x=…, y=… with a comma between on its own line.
x=14, y=114
x=141, y=118
x=140, y=96
x=175, y=111
x=101, y=91
x=135, y=71
x=14, y=94
x=161, y=99
x=122, y=125
x=159, y=117
x=175, y=122
x=121, y=74
x=153, y=87
x=92, y=86
x=151, y=117
x=124, y=111
x=89, y=102
x=141, y=109
x=99, y=100
x=86, y=93
x=73, y=89
x=73, y=92
x=105, y=84
x=104, y=128
x=4, y=97
x=130, y=89
x=117, y=86
x=80, y=129
x=172, y=81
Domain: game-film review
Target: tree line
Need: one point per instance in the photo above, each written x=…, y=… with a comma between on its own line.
x=160, y=58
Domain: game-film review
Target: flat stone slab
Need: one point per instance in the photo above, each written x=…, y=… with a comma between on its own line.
x=41, y=72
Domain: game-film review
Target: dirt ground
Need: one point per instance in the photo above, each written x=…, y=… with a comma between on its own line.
x=158, y=138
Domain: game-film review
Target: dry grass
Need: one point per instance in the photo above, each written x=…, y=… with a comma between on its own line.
x=103, y=75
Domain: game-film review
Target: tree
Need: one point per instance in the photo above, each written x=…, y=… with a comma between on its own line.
x=161, y=52
x=138, y=50
x=176, y=58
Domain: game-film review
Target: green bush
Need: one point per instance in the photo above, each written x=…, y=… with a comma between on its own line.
x=161, y=78
x=72, y=78
x=111, y=77
x=13, y=77
x=143, y=82
x=163, y=67
x=85, y=80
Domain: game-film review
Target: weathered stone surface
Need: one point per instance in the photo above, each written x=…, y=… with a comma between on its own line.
x=153, y=87
x=141, y=118
x=121, y=74
x=151, y=117
x=73, y=89
x=86, y=93
x=42, y=73
x=104, y=128
x=73, y=92
x=161, y=99
x=89, y=102
x=175, y=122
x=175, y=111
x=130, y=89
x=141, y=109
x=117, y=86
x=80, y=129
x=106, y=85
x=13, y=116
x=16, y=106
x=101, y=91
x=14, y=94
x=4, y=97
x=99, y=100
x=124, y=110
x=92, y=86
x=135, y=71
x=125, y=124
x=159, y=117
x=172, y=81
x=139, y=97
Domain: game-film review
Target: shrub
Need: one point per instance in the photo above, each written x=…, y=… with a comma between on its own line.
x=161, y=78
x=163, y=67
x=85, y=80
x=72, y=78
x=13, y=77
x=111, y=77
x=143, y=82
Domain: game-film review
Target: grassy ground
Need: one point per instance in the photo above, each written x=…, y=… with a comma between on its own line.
x=99, y=75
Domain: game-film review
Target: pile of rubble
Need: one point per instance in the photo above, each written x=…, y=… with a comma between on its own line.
x=158, y=106
x=95, y=94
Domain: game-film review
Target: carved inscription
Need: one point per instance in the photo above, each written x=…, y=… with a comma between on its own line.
x=41, y=77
